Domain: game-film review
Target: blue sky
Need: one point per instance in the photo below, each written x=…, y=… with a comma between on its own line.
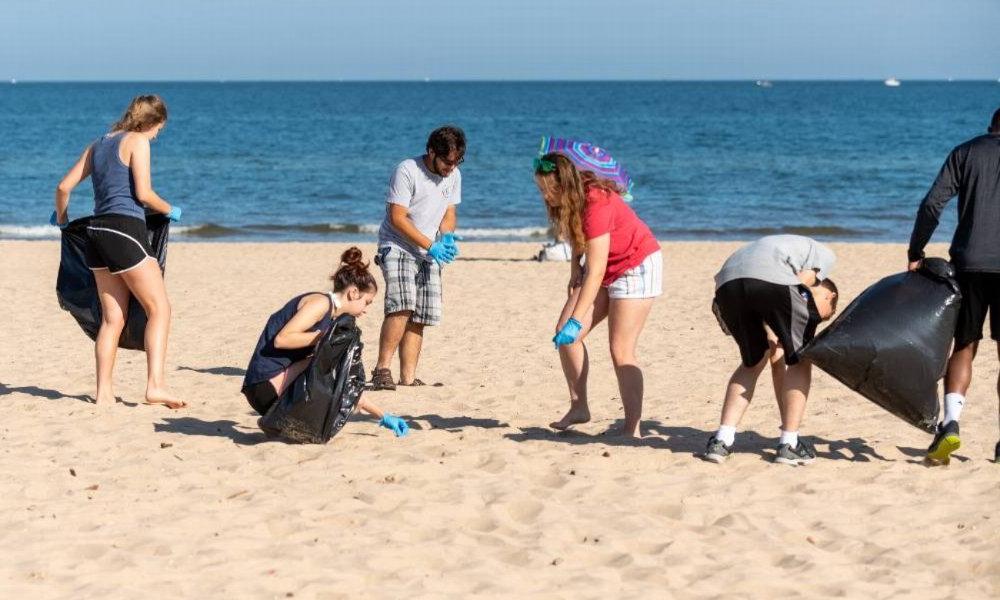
x=506, y=39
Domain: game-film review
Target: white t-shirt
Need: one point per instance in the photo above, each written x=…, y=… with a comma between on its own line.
x=426, y=196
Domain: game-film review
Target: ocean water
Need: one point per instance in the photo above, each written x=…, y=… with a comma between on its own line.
x=311, y=161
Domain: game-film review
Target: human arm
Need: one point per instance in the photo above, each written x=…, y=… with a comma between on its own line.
x=139, y=163
x=597, y=265
x=450, y=220
x=390, y=421
x=944, y=189
x=77, y=173
x=575, y=273
x=807, y=277
x=298, y=332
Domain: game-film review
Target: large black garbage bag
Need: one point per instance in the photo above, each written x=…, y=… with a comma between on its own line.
x=77, y=290
x=319, y=402
x=891, y=344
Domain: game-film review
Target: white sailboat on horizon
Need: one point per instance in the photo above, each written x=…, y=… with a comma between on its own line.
x=892, y=82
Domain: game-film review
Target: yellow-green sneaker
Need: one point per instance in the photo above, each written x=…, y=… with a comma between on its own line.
x=946, y=441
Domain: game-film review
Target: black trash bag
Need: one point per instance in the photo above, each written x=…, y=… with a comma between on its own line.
x=321, y=400
x=77, y=290
x=891, y=345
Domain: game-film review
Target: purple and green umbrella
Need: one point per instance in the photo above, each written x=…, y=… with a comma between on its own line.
x=588, y=157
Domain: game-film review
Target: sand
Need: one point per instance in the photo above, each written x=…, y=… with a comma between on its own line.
x=482, y=498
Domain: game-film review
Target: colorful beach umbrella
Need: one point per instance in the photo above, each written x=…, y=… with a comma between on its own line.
x=588, y=157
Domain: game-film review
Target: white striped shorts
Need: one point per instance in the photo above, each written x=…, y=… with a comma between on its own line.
x=644, y=280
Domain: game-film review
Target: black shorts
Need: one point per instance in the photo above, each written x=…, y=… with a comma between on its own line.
x=261, y=396
x=744, y=306
x=980, y=293
x=117, y=243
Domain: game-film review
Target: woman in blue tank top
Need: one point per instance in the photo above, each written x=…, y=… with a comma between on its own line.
x=290, y=336
x=118, y=252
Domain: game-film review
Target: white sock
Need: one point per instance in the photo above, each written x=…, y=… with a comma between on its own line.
x=953, y=404
x=726, y=434
x=789, y=437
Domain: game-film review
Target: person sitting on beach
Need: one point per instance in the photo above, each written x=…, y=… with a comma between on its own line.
x=421, y=203
x=284, y=348
x=779, y=283
x=118, y=251
x=622, y=276
x=972, y=172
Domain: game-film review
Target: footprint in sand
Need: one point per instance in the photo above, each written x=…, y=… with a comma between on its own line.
x=493, y=464
x=525, y=511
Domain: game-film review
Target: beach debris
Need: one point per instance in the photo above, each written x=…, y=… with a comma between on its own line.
x=236, y=495
x=572, y=471
x=556, y=562
x=389, y=479
x=72, y=471
x=811, y=540
x=165, y=445
x=605, y=454
x=92, y=488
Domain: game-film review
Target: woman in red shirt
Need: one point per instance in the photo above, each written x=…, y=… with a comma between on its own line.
x=623, y=273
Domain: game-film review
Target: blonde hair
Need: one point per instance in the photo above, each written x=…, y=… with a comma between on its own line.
x=569, y=186
x=143, y=112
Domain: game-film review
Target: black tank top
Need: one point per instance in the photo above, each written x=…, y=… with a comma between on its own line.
x=267, y=361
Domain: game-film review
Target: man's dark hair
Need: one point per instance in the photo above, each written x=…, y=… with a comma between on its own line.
x=995, y=123
x=444, y=140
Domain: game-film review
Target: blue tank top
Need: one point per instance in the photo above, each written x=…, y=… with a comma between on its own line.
x=267, y=361
x=114, y=189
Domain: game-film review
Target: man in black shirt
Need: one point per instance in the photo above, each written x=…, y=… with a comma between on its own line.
x=972, y=172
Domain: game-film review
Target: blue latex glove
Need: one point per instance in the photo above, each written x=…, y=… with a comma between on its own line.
x=450, y=239
x=175, y=213
x=54, y=221
x=568, y=334
x=442, y=252
x=395, y=424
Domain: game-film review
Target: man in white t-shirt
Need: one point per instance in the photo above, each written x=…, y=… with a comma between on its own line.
x=416, y=238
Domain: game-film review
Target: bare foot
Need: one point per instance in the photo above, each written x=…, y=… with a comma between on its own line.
x=105, y=400
x=577, y=414
x=162, y=398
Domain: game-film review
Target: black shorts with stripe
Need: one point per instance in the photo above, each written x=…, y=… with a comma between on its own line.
x=744, y=306
x=117, y=243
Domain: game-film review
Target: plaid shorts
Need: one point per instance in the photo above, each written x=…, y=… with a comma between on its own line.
x=644, y=280
x=410, y=284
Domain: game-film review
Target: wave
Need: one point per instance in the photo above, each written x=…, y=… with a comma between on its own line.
x=212, y=230
x=828, y=231
x=29, y=232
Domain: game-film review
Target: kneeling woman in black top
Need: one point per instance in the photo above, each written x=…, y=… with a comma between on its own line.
x=291, y=334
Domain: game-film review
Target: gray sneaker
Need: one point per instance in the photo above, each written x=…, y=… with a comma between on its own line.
x=717, y=451
x=802, y=454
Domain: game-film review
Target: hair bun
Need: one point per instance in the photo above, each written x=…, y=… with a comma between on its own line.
x=352, y=257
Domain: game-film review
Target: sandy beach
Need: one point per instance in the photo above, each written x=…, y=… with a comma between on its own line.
x=482, y=498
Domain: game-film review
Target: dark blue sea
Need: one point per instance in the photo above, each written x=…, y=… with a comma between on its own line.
x=310, y=161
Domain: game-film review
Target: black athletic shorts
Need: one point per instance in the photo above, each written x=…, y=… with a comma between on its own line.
x=261, y=396
x=980, y=293
x=744, y=306
x=117, y=243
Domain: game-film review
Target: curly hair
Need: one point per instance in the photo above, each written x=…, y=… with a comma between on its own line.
x=142, y=113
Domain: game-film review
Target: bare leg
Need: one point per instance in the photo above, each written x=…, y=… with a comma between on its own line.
x=798, y=378
x=282, y=380
x=409, y=352
x=959, y=374
x=575, y=363
x=393, y=327
x=146, y=284
x=114, y=296
x=739, y=392
x=626, y=318
x=778, y=367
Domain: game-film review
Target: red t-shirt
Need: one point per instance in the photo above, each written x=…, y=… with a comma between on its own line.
x=631, y=239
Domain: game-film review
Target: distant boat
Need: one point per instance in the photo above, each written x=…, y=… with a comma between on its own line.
x=13, y=81
x=892, y=82
x=763, y=83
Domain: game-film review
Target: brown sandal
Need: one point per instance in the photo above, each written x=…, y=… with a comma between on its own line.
x=382, y=380
x=414, y=383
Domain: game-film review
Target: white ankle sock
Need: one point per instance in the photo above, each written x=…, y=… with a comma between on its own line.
x=953, y=404
x=789, y=437
x=726, y=434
